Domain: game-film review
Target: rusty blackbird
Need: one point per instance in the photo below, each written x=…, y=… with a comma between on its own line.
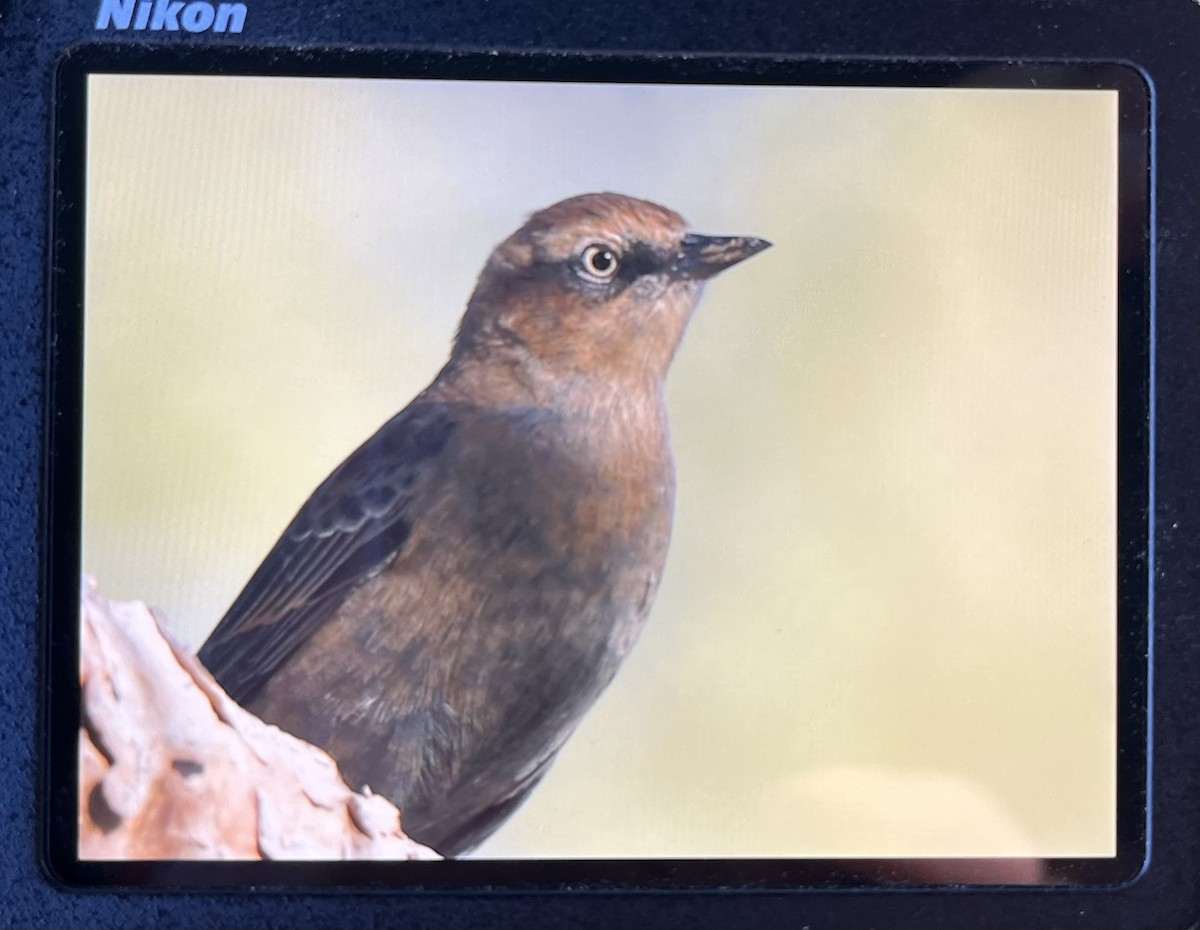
x=450, y=601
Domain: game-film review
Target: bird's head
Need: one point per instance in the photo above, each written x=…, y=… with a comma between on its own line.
x=600, y=285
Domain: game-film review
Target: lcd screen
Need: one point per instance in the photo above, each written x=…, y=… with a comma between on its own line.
x=880, y=616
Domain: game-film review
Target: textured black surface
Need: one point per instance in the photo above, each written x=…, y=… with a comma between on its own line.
x=1162, y=36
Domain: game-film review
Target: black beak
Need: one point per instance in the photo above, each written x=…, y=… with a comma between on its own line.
x=701, y=257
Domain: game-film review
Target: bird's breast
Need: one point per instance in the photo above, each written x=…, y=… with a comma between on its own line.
x=570, y=502
x=560, y=531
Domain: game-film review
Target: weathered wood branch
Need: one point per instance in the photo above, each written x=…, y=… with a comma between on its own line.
x=171, y=768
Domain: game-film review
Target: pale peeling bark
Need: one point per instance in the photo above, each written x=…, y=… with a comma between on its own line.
x=171, y=768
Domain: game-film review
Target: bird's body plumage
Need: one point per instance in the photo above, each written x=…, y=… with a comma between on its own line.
x=551, y=593
x=451, y=600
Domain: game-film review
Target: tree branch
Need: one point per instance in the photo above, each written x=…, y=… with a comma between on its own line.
x=171, y=768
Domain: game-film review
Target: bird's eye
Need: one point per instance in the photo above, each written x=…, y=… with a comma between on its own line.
x=599, y=261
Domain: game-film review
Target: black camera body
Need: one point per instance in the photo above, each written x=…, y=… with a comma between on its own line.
x=1144, y=57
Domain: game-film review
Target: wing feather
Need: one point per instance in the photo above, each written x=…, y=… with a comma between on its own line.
x=356, y=522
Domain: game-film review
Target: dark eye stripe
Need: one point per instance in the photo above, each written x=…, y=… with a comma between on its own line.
x=641, y=259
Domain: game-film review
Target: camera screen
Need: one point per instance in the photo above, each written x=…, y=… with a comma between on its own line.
x=603, y=470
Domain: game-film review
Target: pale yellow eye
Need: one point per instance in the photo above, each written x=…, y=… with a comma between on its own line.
x=599, y=261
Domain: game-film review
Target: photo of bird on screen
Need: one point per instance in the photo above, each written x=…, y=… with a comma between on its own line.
x=451, y=600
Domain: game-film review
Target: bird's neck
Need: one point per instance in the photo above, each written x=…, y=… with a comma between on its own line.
x=607, y=422
x=516, y=380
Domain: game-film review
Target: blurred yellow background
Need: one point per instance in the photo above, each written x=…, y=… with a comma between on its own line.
x=887, y=625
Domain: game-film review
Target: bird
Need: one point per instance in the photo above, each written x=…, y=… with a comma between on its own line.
x=450, y=601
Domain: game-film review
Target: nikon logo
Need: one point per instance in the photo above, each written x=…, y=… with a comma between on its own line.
x=171, y=15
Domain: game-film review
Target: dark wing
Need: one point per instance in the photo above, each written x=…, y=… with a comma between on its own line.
x=353, y=525
x=451, y=833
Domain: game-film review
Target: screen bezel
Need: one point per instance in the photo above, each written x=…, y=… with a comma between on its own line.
x=63, y=464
